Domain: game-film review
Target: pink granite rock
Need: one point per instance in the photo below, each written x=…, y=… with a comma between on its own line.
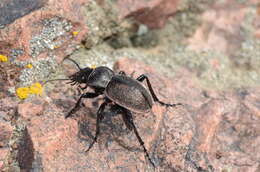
x=222, y=25
x=212, y=131
x=153, y=13
x=19, y=35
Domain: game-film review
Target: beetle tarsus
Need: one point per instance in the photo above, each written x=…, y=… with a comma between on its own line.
x=143, y=77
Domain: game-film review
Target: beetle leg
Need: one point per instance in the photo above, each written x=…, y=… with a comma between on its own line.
x=116, y=109
x=127, y=122
x=143, y=77
x=77, y=105
x=129, y=118
x=100, y=116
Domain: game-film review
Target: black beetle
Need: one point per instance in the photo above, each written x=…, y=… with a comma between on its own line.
x=126, y=93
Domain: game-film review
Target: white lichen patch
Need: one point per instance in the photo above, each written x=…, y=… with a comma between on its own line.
x=52, y=29
x=41, y=70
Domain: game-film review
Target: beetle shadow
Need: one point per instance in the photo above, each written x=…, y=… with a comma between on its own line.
x=112, y=128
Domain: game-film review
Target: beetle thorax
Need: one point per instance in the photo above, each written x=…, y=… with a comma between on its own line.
x=100, y=77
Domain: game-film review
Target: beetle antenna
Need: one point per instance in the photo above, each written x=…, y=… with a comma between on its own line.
x=74, y=62
x=54, y=80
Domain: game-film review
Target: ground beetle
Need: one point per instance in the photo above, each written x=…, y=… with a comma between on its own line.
x=127, y=94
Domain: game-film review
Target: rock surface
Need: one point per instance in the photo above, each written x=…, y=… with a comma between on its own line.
x=208, y=133
x=152, y=13
x=57, y=141
x=224, y=22
x=42, y=30
x=216, y=129
x=56, y=27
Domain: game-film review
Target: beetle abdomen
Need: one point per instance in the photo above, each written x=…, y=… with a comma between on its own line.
x=129, y=93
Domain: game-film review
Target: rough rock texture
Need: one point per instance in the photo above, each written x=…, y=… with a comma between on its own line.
x=43, y=33
x=7, y=109
x=17, y=39
x=225, y=26
x=220, y=127
x=6, y=131
x=57, y=141
x=153, y=13
x=56, y=27
x=217, y=129
x=208, y=133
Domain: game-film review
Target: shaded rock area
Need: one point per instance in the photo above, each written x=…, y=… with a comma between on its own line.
x=11, y=10
x=21, y=151
x=206, y=56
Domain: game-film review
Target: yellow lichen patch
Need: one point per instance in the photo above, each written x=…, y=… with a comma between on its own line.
x=29, y=65
x=22, y=92
x=36, y=88
x=93, y=66
x=75, y=33
x=3, y=58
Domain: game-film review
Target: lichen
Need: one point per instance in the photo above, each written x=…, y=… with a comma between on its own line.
x=53, y=28
x=22, y=92
x=3, y=58
x=34, y=89
x=29, y=66
x=41, y=70
x=75, y=33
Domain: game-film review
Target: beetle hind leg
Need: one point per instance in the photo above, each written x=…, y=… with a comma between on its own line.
x=100, y=116
x=128, y=118
x=143, y=77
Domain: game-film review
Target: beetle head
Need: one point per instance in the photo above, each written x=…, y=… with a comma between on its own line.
x=81, y=76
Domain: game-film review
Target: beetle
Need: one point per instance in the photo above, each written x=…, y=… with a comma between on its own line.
x=127, y=95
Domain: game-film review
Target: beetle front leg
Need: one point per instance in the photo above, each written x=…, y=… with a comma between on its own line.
x=77, y=105
x=143, y=77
